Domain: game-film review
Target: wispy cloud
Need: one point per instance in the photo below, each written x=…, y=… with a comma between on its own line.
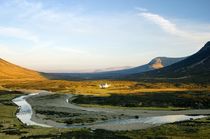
x=35, y=12
x=165, y=24
x=170, y=27
x=4, y=50
x=18, y=33
x=141, y=9
x=68, y=50
x=65, y=37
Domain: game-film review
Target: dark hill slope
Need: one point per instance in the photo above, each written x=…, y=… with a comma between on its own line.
x=195, y=68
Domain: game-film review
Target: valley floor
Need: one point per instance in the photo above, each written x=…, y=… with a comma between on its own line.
x=92, y=87
x=54, y=107
x=11, y=128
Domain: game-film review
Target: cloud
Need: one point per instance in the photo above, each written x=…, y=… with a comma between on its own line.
x=50, y=17
x=69, y=39
x=141, y=9
x=70, y=50
x=163, y=23
x=4, y=50
x=173, y=29
x=18, y=33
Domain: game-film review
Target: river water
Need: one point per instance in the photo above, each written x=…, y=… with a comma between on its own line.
x=25, y=113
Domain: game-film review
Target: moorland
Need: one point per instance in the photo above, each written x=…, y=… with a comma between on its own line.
x=181, y=88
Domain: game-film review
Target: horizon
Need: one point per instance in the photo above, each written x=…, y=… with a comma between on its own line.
x=106, y=69
x=85, y=36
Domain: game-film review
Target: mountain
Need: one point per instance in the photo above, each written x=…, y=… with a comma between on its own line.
x=156, y=63
x=11, y=71
x=195, y=68
x=111, y=69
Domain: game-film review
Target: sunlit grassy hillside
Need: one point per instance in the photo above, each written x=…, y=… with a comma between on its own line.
x=11, y=71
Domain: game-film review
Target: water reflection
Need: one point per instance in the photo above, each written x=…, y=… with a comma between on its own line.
x=160, y=119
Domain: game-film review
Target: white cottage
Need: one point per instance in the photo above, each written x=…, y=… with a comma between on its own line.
x=105, y=85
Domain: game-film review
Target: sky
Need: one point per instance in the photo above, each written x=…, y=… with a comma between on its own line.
x=92, y=35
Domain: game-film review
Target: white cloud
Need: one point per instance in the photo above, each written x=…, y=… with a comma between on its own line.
x=18, y=33
x=52, y=18
x=69, y=50
x=173, y=29
x=162, y=22
x=4, y=50
x=141, y=9
x=69, y=39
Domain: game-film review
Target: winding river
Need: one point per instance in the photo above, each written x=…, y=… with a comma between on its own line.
x=25, y=115
x=25, y=111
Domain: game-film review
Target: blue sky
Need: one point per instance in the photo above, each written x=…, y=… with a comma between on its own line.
x=88, y=35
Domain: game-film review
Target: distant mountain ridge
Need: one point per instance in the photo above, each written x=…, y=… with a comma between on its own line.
x=195, y=68
x=156, y=63
x=11, y=71
x=111, y=69
x=160, y=62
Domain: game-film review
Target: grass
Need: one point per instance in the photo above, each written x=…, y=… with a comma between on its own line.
x=194, y=129
x=92, y=87
x=134, y=108
x=12, y=128
x=150, y=101
x=11, y=71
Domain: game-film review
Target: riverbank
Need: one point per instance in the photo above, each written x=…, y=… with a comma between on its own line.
x=25, y=111
x=12, y=128
x=68, y=115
